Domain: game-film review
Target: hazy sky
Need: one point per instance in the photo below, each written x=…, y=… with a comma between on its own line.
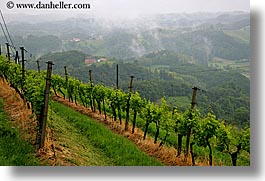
x=133, y=8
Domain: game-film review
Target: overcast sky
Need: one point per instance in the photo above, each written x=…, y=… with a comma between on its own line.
x=133, y=8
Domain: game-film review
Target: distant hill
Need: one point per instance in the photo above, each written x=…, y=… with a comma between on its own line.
x=200, y=35
x=164, y=58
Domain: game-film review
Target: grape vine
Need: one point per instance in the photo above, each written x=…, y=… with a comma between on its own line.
x=199, y=131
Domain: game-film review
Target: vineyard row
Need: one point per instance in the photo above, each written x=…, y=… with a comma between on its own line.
x=207, y=131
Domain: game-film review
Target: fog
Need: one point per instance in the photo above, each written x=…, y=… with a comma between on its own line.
x=125, y=9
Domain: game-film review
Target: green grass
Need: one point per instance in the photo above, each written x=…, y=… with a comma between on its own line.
x=13, y=150
x=242, y=66
x=243, y=35
x=71, y=138
x=111, y=149
x=224, y=159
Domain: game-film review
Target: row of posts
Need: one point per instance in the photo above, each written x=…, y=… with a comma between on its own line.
x=48, y=83
x=193, y=102
x=8, y=55
x=43, y=117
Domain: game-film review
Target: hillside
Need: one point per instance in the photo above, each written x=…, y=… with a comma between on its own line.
x=155, y=125
x=169, y=74
x=200, y=35
x=65, y=144
x=162, y=89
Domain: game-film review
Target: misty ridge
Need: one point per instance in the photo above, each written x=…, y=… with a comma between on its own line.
x=167, y=53
x=196, y=34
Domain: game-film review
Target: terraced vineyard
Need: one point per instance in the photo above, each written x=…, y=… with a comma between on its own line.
x=71, y=138
x=87, y=142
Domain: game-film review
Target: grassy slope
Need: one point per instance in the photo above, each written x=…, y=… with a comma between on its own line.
x=202, y=153
x=13, y=150
x=96, y=144
x=242, y=66
x=243, y=35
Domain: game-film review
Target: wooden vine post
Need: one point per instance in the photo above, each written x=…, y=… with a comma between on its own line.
x=8, y=52
x=22, y=66
x=117, y=76
x=90, y=78
x=92, y=101
x=17, y=58
x=67, y=85
x=128, y=105
x=66, y=74
x=44, y=113
x=193, y=102
x=117, y=88
x=38, y=65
